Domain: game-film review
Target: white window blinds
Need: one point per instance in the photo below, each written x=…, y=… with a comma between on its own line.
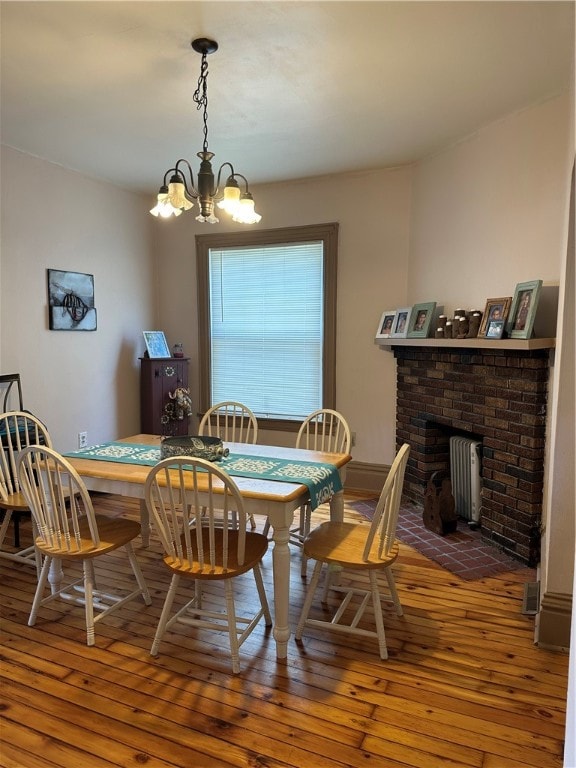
x=266, y=327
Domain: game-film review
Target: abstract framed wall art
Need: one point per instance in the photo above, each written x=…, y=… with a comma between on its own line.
x=71, y=301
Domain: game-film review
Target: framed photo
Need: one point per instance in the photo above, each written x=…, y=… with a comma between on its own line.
x=156, y=345
x=495, y=311
x=524, y=305
x=386, y=324
x=401, y=322
x=495, y=329
x=420, y=320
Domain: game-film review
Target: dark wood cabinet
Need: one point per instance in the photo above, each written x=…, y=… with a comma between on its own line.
x=159, y=378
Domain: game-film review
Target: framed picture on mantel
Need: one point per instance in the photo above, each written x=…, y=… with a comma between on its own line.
x=386, y=323
x=524, y=305
x=494, y=317
x=401, y=322
x=420, y=320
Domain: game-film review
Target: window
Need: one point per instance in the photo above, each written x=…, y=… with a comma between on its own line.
x=267, y=320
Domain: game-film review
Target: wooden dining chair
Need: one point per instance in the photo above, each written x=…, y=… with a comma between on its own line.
x=232, y=422
x=323, y=430
x=18, y=429
x=371, y=550
x=69, y=531
x=205, y=548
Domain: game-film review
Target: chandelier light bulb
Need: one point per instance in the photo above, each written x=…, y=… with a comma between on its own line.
x=164, y=208
x=177, y=197
x=231, y=198
x=245, y=213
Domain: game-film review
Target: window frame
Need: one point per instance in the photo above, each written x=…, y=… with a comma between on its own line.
x=328, y=233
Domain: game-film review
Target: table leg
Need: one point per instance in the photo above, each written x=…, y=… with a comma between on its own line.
x=55, y=575
x=144, y=523
x=337, y=516
x=281, y=566
x=337, y=507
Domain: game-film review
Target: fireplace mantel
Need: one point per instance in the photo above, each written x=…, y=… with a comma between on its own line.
x=512, y=344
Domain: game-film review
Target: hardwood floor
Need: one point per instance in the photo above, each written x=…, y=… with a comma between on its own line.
x=464, y=684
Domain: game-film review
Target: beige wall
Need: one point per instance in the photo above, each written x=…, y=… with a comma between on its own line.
x=489, y=212
x=53, y=218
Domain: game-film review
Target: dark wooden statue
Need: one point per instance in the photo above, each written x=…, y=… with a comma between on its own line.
x=439, y=506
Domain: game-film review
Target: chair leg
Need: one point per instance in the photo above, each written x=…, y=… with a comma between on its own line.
x=37, y=555
x=38, y=561
x=39, y=591
x=378, y=618
x=262, y=595
x=171, y=594
x=138, y=574
x=89, y=583
x=16, y=518
x=393, y=591
x=327, y=584
x=198, y=593
x=232, y=628
x=266, y=528
x=305, y=525
x=6, y=517
x=309, y=598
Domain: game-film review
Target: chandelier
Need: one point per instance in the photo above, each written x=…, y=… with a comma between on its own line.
x=178, y=191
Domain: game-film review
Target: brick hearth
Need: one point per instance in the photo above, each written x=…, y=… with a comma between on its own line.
x=498, y=396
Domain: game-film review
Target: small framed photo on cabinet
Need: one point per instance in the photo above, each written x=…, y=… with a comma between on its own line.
x=156, y=345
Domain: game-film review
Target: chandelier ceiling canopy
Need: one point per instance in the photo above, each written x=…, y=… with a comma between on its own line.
x=179, y=191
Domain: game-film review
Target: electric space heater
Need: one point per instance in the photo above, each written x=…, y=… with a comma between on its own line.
x=465, y=475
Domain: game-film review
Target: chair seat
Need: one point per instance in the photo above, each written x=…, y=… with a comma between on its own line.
x=15, y=502
x=256, y=547
x=114, y=533
x=343, y=544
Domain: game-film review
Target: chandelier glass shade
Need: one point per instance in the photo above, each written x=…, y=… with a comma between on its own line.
x=179, y=191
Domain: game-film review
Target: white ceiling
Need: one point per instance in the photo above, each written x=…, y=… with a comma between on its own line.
x=296, y=89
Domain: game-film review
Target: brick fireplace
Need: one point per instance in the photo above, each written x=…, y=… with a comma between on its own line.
x=498, y=396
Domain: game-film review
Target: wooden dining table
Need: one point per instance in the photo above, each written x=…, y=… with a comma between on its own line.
x=275, y=499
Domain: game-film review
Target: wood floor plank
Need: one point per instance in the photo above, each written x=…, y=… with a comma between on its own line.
x=464, y=685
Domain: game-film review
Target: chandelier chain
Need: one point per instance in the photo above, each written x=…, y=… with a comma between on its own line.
x=201, y=97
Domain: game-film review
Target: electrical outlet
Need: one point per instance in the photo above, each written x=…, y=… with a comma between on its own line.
x=82, y=439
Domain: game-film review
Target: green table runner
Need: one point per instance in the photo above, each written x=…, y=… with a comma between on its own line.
x=323, y=480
